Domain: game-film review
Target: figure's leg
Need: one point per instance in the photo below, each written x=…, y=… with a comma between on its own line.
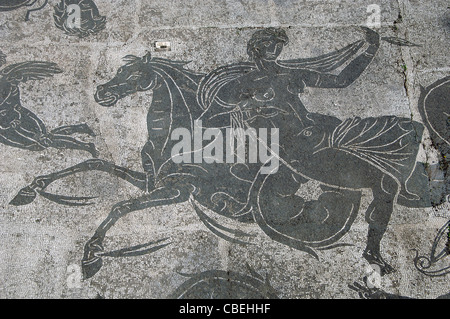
x=92, y=261
x=63, y=141
x=418, y=189
x=32, y=135
x=378, y=216
x=33, y=128
x=147, y=164
x=28, y=134
x=20, y=139
x=28, y=194
x=73, y=129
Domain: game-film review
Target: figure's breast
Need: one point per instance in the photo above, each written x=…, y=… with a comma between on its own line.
x=266, y=99
x=267, y=88
x=264, y=94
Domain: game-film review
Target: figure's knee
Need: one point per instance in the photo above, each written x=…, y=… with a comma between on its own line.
x=45, y=140
x=384, y=195
x=389, y=186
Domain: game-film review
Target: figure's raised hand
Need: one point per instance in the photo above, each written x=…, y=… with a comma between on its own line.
x=371, y=36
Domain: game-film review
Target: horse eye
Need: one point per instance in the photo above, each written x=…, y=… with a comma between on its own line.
x=133, y=77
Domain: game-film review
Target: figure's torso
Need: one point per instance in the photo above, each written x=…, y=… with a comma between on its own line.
x=267, y=99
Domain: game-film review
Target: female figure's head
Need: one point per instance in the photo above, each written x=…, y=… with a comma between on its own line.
x=267, y=44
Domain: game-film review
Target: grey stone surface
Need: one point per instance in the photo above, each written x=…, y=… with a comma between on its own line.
x=43, y=243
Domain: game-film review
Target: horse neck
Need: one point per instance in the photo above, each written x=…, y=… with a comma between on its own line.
x=185, y=79
x=181, y=82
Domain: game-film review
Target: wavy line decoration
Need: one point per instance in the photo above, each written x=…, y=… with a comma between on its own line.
x=437, y=264
x=219, y=284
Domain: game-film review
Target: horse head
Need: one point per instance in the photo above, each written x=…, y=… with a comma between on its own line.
x=135, y=76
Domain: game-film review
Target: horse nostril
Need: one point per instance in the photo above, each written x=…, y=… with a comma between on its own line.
x=102, y=92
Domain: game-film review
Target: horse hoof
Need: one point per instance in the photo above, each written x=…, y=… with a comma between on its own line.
x=94, y=152
x=91, y=267
x=25, y=196
x=387, y=269
x=375, y=259
x=87, y=130
x=92, y=262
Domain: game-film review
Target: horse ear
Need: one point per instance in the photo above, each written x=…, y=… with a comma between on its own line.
x=147, y=57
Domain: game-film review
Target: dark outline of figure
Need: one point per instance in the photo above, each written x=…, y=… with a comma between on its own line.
x=179, y=98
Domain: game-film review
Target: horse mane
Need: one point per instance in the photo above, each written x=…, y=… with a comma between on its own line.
x=33, y=70
x=215, y=80
x=179, y=65
x=175, y=97
x=131, y=59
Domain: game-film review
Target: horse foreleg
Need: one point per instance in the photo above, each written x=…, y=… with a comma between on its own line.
x=92, y=261
x=28, y=194
x=67, y=142
x=378, y=216
x=73, y=129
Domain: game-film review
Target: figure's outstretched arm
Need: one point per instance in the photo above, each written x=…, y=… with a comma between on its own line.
x=353, y=70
